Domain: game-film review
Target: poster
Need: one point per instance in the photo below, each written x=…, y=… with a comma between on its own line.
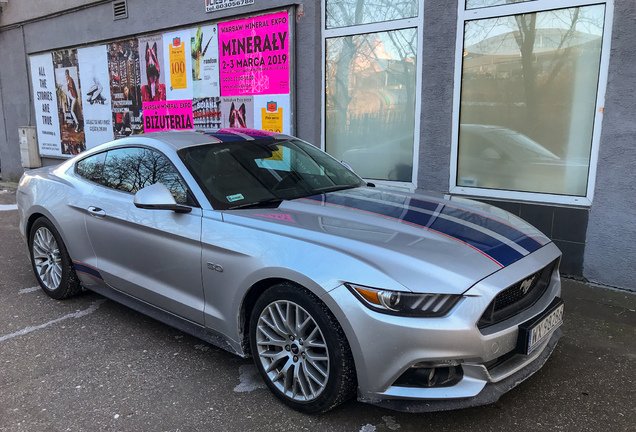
x=237, y=112
x=167, y=115
x=207, y=113
x=254, y=55
x=45, y=101
x=234, y=74
x=69, y=101
x=93, y=70
x=151, y=61
x=204, y=42
x=271, y=113
x=178, y=64
x=123, y=69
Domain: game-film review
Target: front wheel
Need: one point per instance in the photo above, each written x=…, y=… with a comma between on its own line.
x=51, y=263
x=300, y=350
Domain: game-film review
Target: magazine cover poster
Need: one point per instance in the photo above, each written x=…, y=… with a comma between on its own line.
x=93, y=70
x=69, y=101
x=271, y=113
x=205, y=61
x=178, y=64
x=125, y=87
x=153, y=74
x=237, y=112
x=45, y=103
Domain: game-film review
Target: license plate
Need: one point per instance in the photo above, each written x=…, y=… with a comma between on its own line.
x=534, y=332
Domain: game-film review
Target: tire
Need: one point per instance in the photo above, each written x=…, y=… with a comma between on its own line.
x=308, y=366
x=51, y=264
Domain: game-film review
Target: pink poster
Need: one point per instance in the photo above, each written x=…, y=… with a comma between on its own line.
x=254, y=55
x=167, y=115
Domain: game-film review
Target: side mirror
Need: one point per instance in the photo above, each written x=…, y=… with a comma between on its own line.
x=158, y=197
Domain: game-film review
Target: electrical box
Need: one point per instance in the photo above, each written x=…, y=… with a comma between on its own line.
x=29, y=152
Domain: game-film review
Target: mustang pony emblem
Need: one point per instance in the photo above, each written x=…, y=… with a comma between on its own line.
x=527, y=284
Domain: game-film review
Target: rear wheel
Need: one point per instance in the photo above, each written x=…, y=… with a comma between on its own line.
x=51, y=263
x=300, y=350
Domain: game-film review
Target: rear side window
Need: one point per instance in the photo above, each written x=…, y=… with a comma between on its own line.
x=91, y=167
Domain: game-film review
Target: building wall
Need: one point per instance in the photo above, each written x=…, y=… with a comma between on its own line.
x=15, y=11
x=16, y=106
x=438, y=69
x=610, y=251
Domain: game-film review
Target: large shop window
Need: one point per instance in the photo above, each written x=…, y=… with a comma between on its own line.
x=371, y=97
x=527, y=122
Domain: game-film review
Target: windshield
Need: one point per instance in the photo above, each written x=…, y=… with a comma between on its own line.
x=264, y=172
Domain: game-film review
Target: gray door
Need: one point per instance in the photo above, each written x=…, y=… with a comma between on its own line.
x=153, y=255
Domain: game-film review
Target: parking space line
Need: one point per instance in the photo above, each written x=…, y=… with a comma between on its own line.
x=7, y=207
x=78, y=314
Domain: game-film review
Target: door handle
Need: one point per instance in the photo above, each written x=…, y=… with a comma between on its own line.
x=96, y=212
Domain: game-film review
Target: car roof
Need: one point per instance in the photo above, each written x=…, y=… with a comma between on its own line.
x=181, y=139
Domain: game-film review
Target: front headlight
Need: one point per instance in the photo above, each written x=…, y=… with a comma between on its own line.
x=405, y=303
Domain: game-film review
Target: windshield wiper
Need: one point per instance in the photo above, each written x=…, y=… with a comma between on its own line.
x=264, y=203
x=336, y=188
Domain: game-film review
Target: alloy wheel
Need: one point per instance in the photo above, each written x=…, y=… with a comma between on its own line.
x=292, y=350
x=47, y=258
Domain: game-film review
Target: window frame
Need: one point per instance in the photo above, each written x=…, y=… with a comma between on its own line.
x=536, y=6
x=399, y=24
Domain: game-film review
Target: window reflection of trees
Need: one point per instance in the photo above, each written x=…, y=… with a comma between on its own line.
x=532, y=75
x=370, y=97
x=524, y=71
x=344, y=13
x=130, y=170
x=474, y=4
x=371, y=87
x=91, y=167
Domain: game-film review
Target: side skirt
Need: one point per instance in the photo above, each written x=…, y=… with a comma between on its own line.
x=166, y=317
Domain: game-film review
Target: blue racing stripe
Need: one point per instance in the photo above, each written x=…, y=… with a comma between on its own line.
x=500, y=252
x=511, y=233
x=86, y=269
x=225, y=137
x=394, y=206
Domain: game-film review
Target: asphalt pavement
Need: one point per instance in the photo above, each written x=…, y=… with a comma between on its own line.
x=90, y=364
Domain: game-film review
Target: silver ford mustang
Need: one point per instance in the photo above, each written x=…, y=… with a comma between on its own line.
x=268, y=247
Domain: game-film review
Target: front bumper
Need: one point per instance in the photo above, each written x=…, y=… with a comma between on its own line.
x=386, y=346
x=489, y=394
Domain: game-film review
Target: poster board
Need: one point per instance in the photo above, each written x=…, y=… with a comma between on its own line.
x=230, y=74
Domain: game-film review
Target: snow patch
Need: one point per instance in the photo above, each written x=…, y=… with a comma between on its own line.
x=391, y=423
x=249, y=378
x=28, y=290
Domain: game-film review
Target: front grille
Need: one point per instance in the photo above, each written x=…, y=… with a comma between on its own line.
x=518, y=297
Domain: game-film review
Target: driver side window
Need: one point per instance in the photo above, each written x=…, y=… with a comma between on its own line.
x=133, y=168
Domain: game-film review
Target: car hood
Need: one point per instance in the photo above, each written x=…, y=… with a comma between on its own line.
x=424, y=242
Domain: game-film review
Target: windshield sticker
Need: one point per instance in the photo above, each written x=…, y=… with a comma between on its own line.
x=283, y=217
x=235, y=197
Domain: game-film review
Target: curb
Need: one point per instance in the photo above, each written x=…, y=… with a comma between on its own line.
x=8, y=186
